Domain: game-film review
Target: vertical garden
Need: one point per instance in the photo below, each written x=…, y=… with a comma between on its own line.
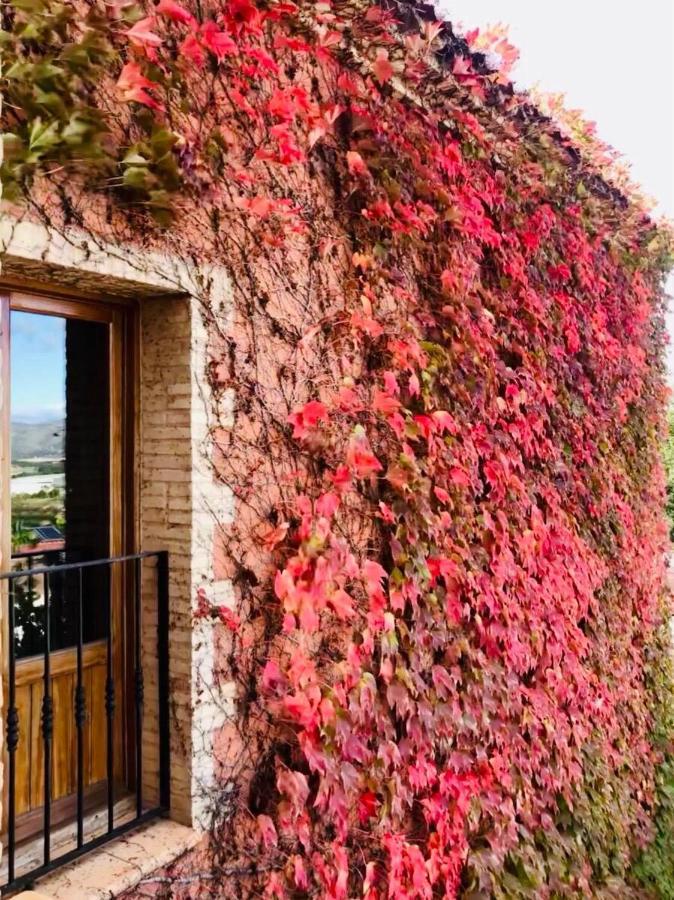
x=451, y=634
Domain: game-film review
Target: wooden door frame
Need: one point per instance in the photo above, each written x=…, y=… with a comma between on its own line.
x=123, y=319
x=5, y=503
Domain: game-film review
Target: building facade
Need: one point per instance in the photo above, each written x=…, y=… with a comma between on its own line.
x=362, y=588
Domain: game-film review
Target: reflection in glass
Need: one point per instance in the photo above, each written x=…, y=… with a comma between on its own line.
x=60, y=475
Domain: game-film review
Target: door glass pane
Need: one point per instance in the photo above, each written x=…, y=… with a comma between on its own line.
x=60, y=387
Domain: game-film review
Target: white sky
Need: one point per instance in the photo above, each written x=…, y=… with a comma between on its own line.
x=615, y=61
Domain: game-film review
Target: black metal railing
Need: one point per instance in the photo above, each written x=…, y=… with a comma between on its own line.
x=73, y=581
x=51, y=554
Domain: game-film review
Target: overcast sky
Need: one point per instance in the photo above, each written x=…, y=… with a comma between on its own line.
x=614, y=60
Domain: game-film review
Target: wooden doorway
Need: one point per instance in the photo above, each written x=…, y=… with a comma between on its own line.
x=83, y=510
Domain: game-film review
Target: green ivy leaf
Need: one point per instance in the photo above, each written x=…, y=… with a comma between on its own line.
x=44, y=136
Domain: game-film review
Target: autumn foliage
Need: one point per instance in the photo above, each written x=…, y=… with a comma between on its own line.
x=463, y=663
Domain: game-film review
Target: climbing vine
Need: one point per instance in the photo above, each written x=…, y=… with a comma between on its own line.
x=449, y=636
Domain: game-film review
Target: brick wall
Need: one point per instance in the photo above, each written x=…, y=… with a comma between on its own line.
x=181, y=507
x=165, y=462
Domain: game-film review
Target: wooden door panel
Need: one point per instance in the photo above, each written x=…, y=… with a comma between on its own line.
x=23, y=750
x=30, y=749
x=36, y=746
x=64, y=754
x=96, y=732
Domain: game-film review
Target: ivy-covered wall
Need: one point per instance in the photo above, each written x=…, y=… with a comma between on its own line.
x=450, y=634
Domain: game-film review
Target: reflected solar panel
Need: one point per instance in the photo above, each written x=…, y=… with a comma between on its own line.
x=48, y=533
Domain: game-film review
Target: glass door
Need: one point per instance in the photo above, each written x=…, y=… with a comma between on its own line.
x=67, y=458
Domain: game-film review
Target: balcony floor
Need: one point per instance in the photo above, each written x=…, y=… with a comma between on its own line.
x=29, y=852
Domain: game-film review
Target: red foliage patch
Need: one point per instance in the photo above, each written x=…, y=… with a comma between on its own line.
x=470, y=570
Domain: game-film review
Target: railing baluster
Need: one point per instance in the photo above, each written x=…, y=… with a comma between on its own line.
x=163, y=678
x=80, y=715
x=139, y=696
x=47, y=723
x=12, y=739
x=110, y=710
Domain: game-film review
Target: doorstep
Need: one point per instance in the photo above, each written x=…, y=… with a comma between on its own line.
x=116, y=867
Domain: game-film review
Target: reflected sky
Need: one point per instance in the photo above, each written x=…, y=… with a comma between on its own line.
x=37, y=367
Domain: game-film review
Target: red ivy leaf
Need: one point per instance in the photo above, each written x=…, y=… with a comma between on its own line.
x=381, y=67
